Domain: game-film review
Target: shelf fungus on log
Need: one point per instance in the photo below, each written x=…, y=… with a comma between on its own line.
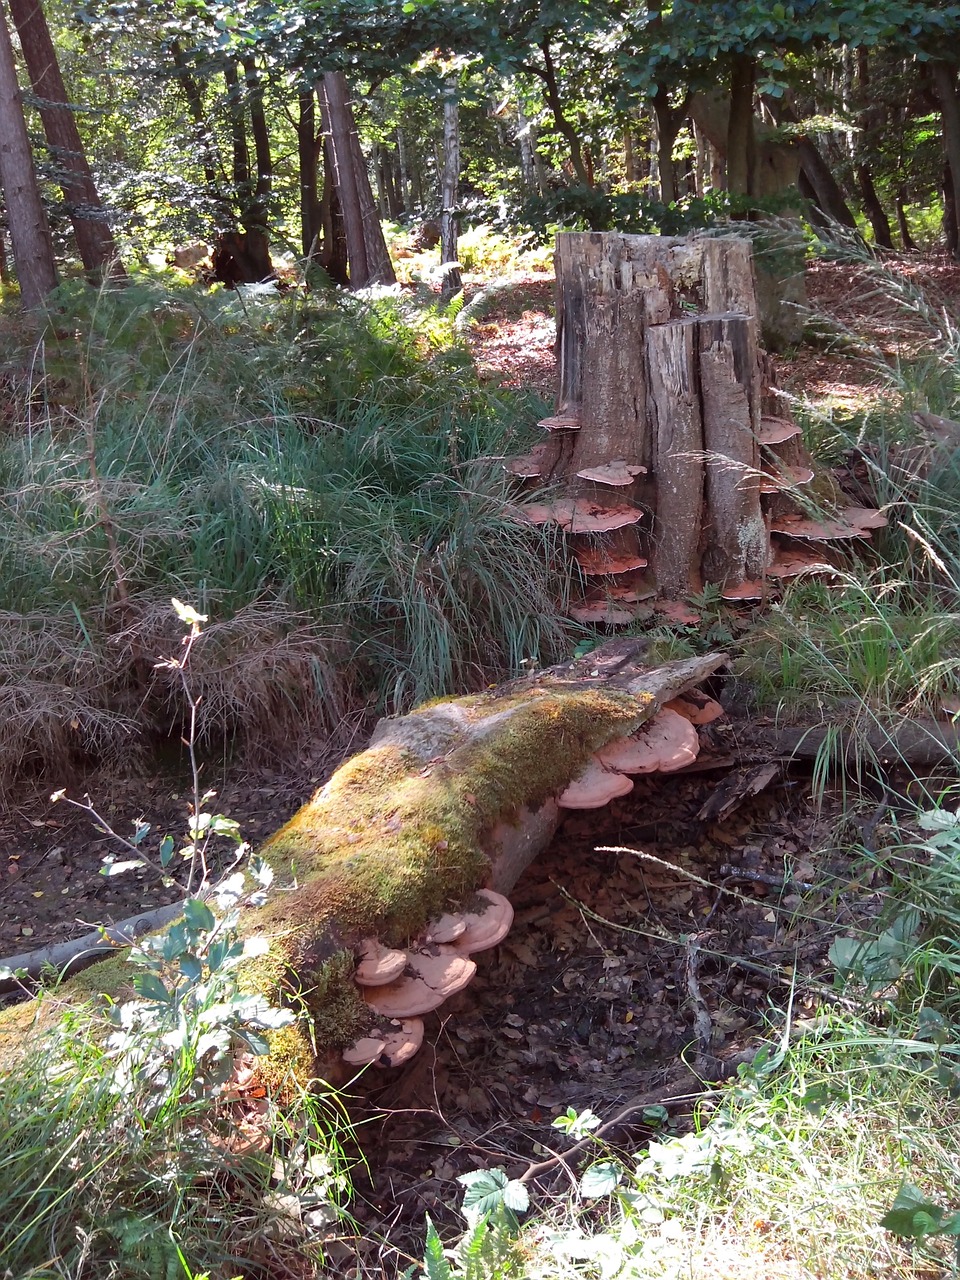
x=602, y=562
x=388, y=1046
x=444, y=801
x=595, y=787
x=487, y=922
x=378, y=964
x=580, y=515
x=664, y=744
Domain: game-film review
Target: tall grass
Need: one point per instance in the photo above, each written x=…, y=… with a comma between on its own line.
x=323, y=480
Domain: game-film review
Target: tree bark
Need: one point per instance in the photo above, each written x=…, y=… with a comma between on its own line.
x=95, y=242
x=309, y=143
x=548, y=74
x=945, y=80
x=738, y=544
x=869, y=127
x=194, y=99
x=367, y=257
x=674, y=396
x=451, y=283
x=29, y=233
x=741, y=145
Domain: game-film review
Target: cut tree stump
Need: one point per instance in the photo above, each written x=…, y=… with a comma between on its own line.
x=663, y=436
x=451, y=798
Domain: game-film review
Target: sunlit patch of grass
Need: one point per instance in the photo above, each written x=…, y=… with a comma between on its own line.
x=323, y=480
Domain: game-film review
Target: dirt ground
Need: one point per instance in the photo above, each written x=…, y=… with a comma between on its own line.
x=648, y=940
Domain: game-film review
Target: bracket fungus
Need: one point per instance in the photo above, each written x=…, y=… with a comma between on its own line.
x=696, y=707
x=562, y=421
x=776, y=430
x=580, y=515
x=599, y=561
x=596, y=786
x=389, y=1046
x=487, y=924
x=616, y=472
x=664, y=744
x=378, y=964
x=433, y=976
x=446, y=928
x=529, y=466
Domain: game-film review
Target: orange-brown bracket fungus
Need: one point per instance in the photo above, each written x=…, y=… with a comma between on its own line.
x=594, y=788
x=432, y=979
x=378, y=964
x=487, y=924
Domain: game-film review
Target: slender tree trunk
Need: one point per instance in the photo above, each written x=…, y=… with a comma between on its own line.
x=240, y=167
x=668, y=126
x=194, y=100
x=906, y=239
x=951, y=226
x=367, y=256
x=404, y=166
x=451, y=283
x=740, y=130
x=308, y=150
x=29, y=233
x=566, y=130
x=869, y=126
x=95, y=242
x=945, y=79
x=261, y=139
x=874, y=209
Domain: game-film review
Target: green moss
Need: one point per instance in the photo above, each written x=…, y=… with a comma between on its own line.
x=392, y=840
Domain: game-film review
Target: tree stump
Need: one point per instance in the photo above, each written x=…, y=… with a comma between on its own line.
x=662, y=441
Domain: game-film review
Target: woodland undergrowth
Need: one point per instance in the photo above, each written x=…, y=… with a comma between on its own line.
x=321, y=476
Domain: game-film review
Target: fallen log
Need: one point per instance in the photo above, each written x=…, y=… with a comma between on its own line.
x=455, y=796
x=911, y=742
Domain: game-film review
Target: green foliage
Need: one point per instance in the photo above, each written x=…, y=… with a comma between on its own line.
x=324, y=478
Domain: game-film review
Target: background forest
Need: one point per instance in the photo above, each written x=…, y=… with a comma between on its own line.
x=276, y=287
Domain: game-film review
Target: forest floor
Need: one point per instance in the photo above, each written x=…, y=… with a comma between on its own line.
x=592, y=1000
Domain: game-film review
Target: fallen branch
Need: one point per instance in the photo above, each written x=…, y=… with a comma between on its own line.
x=915, y=742
x=67, y=957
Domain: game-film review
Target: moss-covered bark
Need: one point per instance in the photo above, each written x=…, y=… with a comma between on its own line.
x=405, y=830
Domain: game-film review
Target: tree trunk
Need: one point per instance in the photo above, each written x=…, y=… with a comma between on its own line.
x=309, y=143
x=738, y=545
x=257, y=216
x=870, y=126
x=29, y=233
x=668, y=124
x=951, y=212
x=452, y=797
x=566, y=130
x=451, y=283
x=677, y=455
x=404, y=165
x=194, y=99
x=740, y=128
x=659, y=410
x=367, y=257
x=95, y=242
x=903, y=226
x=945, y=79
x=824, y=187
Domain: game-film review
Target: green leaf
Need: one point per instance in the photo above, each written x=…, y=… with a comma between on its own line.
x=167, y=846
x=601, y=1179
x=516, y=1196
x=484, y=1191
x=113, y=868
x=150, y=987
x=435, y=1264
x=913, y=1216
x=198, y=915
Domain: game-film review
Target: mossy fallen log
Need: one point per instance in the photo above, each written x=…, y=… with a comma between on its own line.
x=455, y=796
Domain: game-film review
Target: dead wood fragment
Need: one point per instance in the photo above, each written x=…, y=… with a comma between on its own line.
x=914, y=742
